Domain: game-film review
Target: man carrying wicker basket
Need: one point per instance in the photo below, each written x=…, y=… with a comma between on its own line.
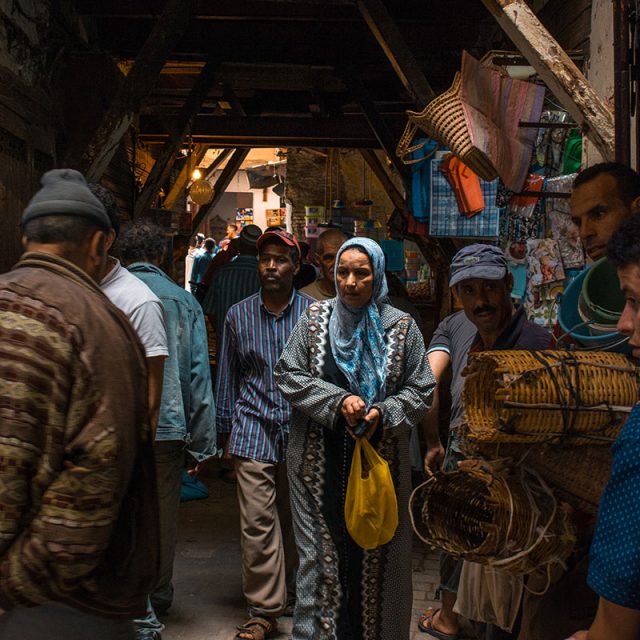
x=480, y=280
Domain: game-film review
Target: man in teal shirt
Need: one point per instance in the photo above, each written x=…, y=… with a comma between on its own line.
x=186, y=424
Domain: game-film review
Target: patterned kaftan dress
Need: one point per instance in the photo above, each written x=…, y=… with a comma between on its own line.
x=343, y=591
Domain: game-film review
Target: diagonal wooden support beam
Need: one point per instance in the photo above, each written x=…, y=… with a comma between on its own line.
x=379, y=127
x=135, y=88
x=216, y=162
x=397, y=51
x=180, y=128
x=179, y=186
x=221, y=184
x=557, y=70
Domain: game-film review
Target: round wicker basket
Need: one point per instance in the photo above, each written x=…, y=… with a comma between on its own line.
x=548, y=396
x=508, y=522
x=577, y=474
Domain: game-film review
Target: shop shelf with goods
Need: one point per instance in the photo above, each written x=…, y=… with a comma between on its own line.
x=276, y=217
x=244, y=216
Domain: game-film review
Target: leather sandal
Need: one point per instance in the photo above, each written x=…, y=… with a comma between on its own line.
x=257, y=628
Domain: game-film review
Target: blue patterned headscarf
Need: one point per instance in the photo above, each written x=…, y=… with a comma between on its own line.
x=358, y=342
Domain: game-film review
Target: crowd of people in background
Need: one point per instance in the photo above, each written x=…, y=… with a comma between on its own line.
x=107, y=399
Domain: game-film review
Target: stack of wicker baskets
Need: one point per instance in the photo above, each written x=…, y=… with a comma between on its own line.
x=554, y=412
x=577, y=474
x=512, y=522
x=548, y=396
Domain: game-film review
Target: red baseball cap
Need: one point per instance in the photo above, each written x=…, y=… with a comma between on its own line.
x=283, y=236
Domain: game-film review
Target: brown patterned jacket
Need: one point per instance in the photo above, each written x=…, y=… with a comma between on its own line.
x=78, y=516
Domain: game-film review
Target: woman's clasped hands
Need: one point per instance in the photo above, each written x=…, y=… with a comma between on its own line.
x=354, y=410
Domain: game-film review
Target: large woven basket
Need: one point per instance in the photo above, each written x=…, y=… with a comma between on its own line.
x=443, y=120
x=496, y=519
x=577, y=474
x=548, y=396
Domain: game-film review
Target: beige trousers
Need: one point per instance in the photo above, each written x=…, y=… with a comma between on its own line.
x=269, y=557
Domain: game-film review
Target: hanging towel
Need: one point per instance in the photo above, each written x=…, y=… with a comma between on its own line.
x=465, y=184
x=421, y=178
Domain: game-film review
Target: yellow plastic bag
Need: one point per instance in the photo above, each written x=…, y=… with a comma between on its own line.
x=371, y=506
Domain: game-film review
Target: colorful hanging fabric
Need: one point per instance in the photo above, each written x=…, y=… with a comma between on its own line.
x=494, y=105
x=445, y=219
x=567, y=236
x=544, y=262
x=524, y=206
x=421, y=178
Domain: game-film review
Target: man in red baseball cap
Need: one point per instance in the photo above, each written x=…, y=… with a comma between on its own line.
x=254, y=414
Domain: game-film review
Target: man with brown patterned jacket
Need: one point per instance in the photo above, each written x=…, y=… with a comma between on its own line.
x=78, y=529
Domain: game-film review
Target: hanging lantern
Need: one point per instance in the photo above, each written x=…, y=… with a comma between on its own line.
x=201, y=192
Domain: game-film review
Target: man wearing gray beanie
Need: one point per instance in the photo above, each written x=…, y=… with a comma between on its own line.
x=73, y=432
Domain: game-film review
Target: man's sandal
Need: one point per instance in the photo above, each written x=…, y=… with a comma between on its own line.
x=257, y=629
x=425, y=624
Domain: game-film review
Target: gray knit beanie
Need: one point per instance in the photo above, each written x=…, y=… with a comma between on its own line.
x=65, y=192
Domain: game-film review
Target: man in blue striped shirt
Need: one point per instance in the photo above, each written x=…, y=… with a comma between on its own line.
x=251, y=409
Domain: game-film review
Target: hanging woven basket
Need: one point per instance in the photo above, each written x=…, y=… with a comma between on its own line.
x=547, y=396
x=443, y=120
x=496, y=519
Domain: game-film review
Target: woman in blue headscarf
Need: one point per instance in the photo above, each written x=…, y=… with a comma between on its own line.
x=354, y=367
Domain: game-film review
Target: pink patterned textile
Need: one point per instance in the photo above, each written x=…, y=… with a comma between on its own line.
x=494, y=104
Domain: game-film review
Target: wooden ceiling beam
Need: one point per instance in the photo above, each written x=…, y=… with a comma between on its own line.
x=276, y=131
x=396, y=49
x=558, y=71
x=230, y=170
x=133, y=90
x=229, y=10
x=181, y=127
x=388, y=141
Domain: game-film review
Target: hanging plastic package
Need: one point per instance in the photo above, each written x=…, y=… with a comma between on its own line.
x=371, y=506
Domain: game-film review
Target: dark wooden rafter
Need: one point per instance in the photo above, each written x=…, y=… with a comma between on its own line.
x=381, y=130
x=558, y=72
x=181, y=127
x=138, y=84
x=217, y=161
x=230, y=170
x=224, y=131
x=396, y=49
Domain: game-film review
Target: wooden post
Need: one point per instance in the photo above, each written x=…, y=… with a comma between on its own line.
x=221, y=184
x=178, y=187
x=181, y=125
x=558, y=71
x=380, y=129
x=397, y=51
x=135, y=88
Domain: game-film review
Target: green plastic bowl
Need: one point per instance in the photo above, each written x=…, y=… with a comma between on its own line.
x=603, y=302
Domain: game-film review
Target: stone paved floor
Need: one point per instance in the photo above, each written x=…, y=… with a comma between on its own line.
x=209, y=603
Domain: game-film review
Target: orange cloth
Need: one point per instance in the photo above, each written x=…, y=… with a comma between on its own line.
x=465, y=184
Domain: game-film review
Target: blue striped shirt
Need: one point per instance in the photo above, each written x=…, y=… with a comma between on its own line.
x=248, y=402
